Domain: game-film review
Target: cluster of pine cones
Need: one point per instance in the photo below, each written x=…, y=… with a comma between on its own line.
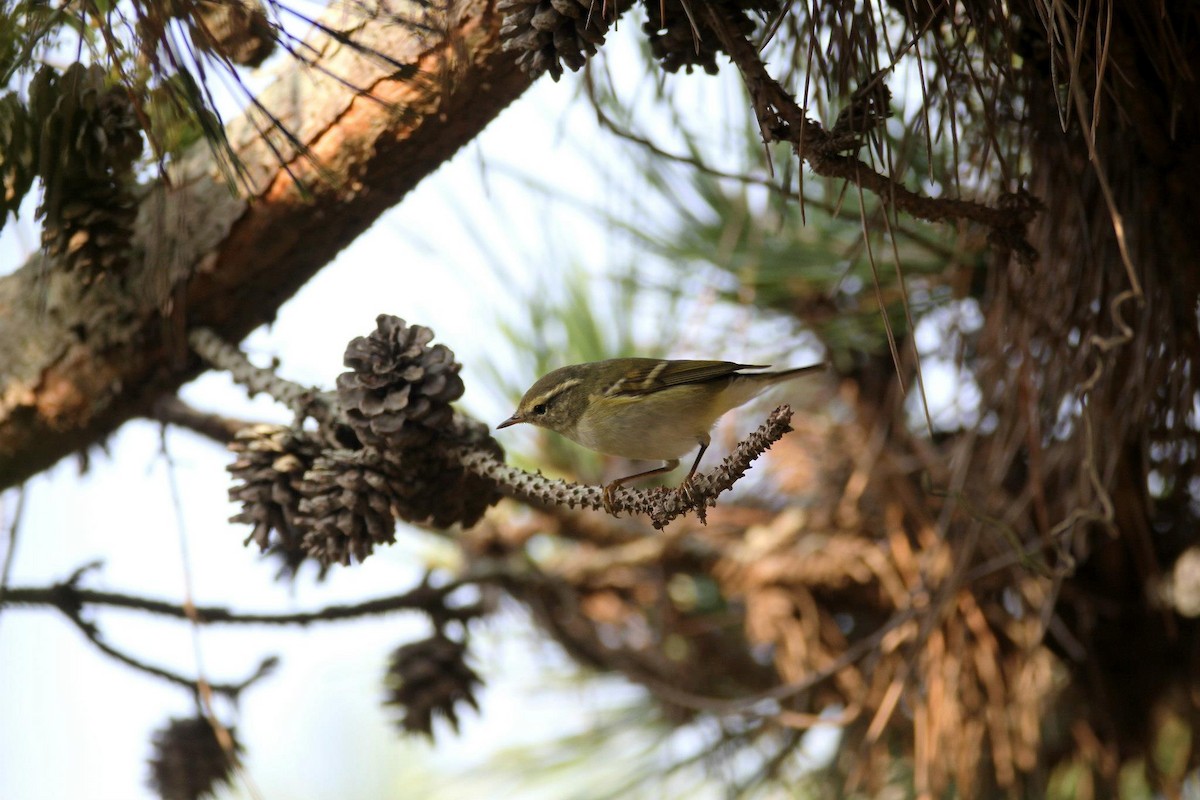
x=550, y=34
x=307, y=499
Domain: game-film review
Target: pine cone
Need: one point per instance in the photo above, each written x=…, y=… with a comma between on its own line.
x=431, y=490
x=677, y=43
x=549, y=33
x=271, y=462
x=118, y=119
x=18, y=154
x=347, y=507
x=397, y=401
x=428, y=678
x=399, y=394
x=237, y=29
x=188, y=762
x=868, y=109
x=90, y=138
x=93, y=230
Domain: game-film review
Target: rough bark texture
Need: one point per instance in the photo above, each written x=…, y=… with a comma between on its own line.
x=78, y=361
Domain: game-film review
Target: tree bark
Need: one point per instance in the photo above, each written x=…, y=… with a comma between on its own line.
x=79, y=360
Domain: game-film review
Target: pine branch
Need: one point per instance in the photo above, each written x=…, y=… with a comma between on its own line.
x=171, y=410
x=304, y=400
x=70, y=599
x=781, y=119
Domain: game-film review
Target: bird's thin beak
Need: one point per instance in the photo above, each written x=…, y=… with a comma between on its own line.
x=513, y=420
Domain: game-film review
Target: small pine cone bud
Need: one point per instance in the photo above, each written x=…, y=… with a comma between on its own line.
x=399, y=393
x=547, y=34
x=270, y=464
x=347, y=508
x=428, y=678
x=237, y=29
x=188, y=762
x=673, y=41
x=869, y=107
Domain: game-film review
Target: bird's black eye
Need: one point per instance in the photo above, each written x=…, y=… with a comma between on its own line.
x=539, y=409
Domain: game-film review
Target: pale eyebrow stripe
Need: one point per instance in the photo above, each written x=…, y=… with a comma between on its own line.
x=559, y=389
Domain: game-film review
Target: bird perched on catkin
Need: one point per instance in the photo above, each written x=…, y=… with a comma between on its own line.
x=644, y=409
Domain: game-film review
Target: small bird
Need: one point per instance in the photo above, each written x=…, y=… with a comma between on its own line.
x=643, y=408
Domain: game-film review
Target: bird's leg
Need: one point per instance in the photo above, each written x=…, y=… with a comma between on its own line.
x=612, y=487
x=685, y=488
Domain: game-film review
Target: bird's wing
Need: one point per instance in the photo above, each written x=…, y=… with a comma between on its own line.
x=654, y=376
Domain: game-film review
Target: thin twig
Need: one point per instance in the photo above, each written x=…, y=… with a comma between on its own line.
x=231, y=690
x=781, y=119
x=10, y=553
x=69, y=598
x=606, y=121
x=171, y=410
x=764, y=703
x=304, y=400
x=203, y=686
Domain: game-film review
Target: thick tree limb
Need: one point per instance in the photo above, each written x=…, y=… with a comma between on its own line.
x=77, y=362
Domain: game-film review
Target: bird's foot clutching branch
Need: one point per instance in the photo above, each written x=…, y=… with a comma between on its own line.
x=694, y=497
x=608, y=498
